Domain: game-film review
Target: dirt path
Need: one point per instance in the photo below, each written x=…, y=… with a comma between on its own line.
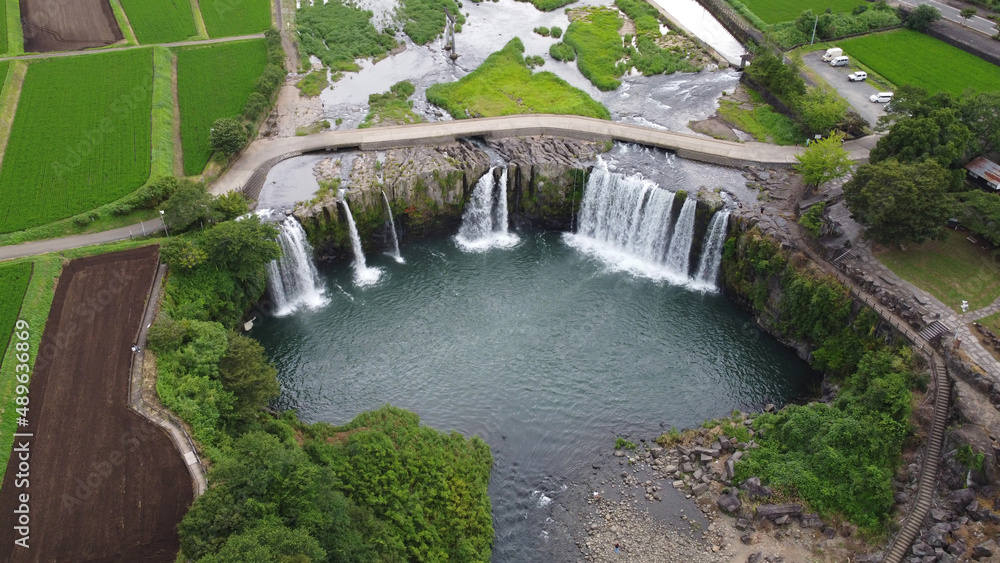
x=98, y=51
x=105, y=483
x=178, y=147
x=9, y=97
x=199, y=20
x=127, y=30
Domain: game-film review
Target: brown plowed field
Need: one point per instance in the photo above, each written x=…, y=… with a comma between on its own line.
x=105, y=484
x=67, y=25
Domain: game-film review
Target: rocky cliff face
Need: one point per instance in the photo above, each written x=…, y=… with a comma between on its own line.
x=427, y=188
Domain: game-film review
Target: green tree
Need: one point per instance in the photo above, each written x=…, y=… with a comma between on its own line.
x=824, y=160
x=255, y=106
x=922, y=17
x=269, y=540
x=246, y=373
x=938, y=134
x=189, y=204
x=231, y=205
x=821, y=111
x=781, y=79
x=242, y=248
x=181, y=253
x=966, y=14
x=980, y=212
x=227, y=136
x=900, y=202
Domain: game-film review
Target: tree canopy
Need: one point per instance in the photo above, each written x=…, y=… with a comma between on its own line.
x=824, y=160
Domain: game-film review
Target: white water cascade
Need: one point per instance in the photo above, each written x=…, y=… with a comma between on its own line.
x=292, y=279
x=711, y=252
x=363, y=275
x=625, y=221
x=484, y=222
x=392, y=228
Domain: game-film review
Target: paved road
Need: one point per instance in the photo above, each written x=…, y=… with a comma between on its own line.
x=686, y=146
x=977, y=23
x=127, y=47
x=856, y=93
x=78, y=241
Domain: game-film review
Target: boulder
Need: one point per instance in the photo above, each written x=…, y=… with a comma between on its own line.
x=812, y=520
x=742, y=524
x=753, y=488
x=775, y=511
x=960, y=499
x=921, y=549
x=700, y=488
x=937, y=536
x=729, y=503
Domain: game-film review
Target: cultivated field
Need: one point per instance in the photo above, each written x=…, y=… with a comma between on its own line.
x=58, y=25
x=226, y=18
x=105, y=484
x=775, y=11
x=81, y=137
x=3, y=27
x=907, y=57
x=163, y=21
x=213, y=81
x=13, y=283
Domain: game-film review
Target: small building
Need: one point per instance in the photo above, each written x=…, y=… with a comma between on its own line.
x=985, y=170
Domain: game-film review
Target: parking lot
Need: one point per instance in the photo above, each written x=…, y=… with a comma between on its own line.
x=856, y=93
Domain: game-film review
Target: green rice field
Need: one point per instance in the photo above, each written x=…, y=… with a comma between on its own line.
x=160, y=21
x=80, y=139
x=907, y=57
x=213, y=81
x=775, y=11
x=3, y=27
x=4, y=68
x=226, y=18
x=14, y=281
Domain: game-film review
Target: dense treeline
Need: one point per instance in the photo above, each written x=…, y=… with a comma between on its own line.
x=381, y=488
x=839, y=458
x=915, y=179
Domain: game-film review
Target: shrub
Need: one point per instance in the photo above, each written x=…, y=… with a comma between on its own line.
x=562, y=52
x=622, y=443
x=555, y=32
x=543, y=31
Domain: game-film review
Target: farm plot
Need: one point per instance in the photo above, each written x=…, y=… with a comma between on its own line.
x=160, y=21
x=226, y=18
x=106, y=484
x=58, y=25
x=13, y=283
x=213, y=81
x=907, y=57
x=3, y=27
x=775, y=11
x=80, y=139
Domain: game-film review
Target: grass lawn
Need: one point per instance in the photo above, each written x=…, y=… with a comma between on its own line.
x=952, y=270
x=991, y=322
x=391, y=108
x=227, y=18
x=213, y=81
x=907, y=57
x=80, y=139
x=765, y=124
x=504, y=85
x=598, y=46
x=775, y=11
x=162, y=21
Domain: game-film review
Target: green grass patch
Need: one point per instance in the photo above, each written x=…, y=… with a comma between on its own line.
x=504, y=85
x=907, y=57
x=391, y=108
x=81, y=137
x=423, y=20
x=991, y=322
x=952, y=270
x=774, y=11
x=548, y=5
x=160, y=21
x=317, y=127
x=338, y=33
x=26, y=296
x=227, y=18
x=14, y=34
x=562, y=52
x=123, y=23
x=162, y=161
x=213, y=81
x=598, y=46
x=3, y=28
x=313, y=83
x=765, y=124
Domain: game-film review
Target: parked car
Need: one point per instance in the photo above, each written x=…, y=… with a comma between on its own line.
x=840, y=61
x=881, y=97
x=831, y=53
x=858, y=76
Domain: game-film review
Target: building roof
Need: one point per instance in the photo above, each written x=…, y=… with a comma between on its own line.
x=985, y=169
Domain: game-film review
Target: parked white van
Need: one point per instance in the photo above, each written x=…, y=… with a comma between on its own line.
x=881, y=97
x=840, y=61
x=832, y=53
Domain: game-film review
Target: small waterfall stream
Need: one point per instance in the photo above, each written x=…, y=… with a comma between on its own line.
x=292, y=279
x=363, y=275
x=484, y=222
x=711, y=254
x=392, y=228
x=626, y=221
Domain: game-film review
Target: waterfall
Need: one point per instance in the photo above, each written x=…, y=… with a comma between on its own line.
x=625, y=221
x=679, y=254
x=392, y=228
x=711, y=253
x=484, y=222
x=363, y=275
x=292, y=279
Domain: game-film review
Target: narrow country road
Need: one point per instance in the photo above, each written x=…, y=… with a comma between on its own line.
x=78, y=241
x=976, y=23
x=127, y=47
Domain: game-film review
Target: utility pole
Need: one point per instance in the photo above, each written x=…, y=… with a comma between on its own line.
x=813, y=40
